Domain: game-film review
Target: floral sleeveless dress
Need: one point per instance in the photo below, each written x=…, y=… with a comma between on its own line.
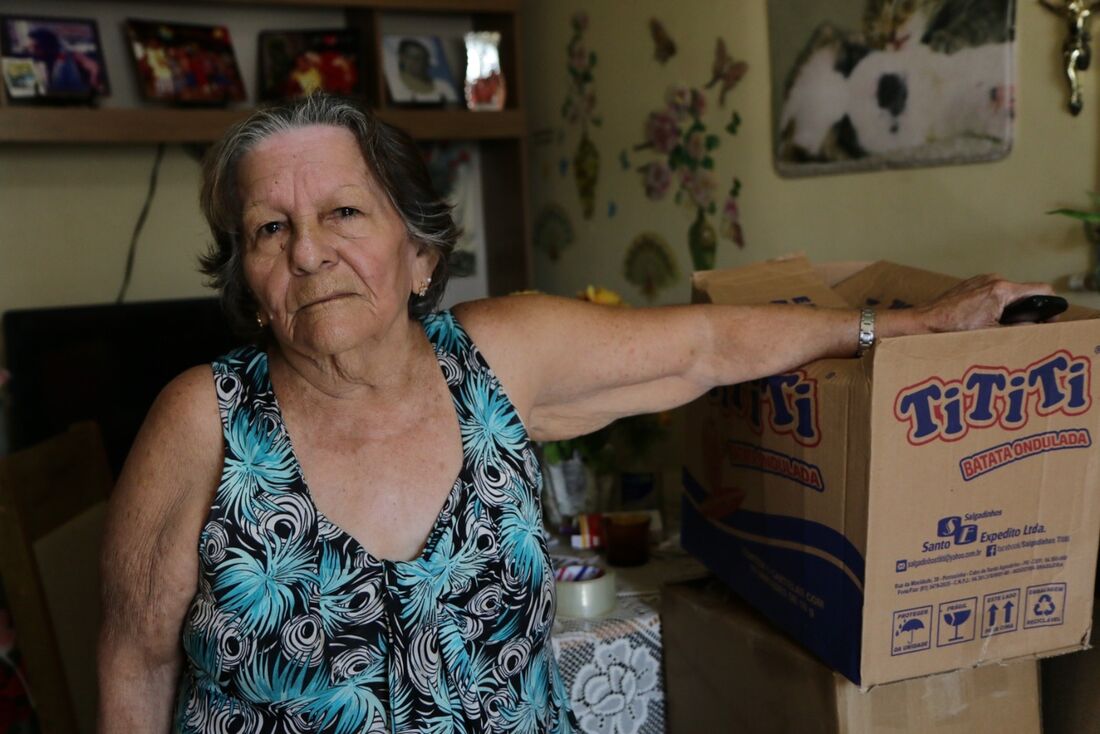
x=297, y=628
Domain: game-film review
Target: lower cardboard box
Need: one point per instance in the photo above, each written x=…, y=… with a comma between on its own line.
x=1071, y=684
x=729, y=670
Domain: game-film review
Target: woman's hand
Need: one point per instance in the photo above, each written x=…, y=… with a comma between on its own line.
x=975, y=303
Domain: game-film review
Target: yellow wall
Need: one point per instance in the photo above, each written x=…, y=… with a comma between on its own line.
x=66, y=216
x=958, y=219
x=66, y=212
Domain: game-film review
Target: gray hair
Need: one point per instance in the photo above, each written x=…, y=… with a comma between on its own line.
x=392, y=156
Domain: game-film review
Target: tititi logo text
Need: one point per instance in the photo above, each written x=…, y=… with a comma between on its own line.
x=786, y=404
x=986, y=396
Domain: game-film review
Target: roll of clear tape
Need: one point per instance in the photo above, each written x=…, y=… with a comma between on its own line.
x=589, y=598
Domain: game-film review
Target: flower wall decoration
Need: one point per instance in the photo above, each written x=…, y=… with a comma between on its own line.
x=678, y=132
x=579, y=108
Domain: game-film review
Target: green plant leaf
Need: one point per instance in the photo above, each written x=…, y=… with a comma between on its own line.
x=1077, y=214
x=712, y=142
x=552, y=452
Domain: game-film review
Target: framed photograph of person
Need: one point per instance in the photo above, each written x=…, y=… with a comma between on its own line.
x=298, y=63
x=52, y=59
x=187, y=64
x=417, y=71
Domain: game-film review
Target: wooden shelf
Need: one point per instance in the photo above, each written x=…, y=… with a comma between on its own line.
x=174, y=125
x=501, y=136
x=431, y=6
x=457, y=124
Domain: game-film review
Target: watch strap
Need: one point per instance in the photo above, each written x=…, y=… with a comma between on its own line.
x=866, y=331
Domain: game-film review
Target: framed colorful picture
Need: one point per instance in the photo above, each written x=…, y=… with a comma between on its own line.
x=485, y=89
x=298, y=63
x=191, y=64
x=865, y=84
x=52, y=59
x=417, y=71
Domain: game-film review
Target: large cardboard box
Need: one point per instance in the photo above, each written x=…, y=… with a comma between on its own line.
x=729, y=670
x=931, y=506
x=1071, y=684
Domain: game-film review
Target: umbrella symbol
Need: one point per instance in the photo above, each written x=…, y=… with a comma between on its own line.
x=956, y=619
x=911, y=626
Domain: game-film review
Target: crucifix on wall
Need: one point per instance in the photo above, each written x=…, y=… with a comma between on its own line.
x=1076, y=52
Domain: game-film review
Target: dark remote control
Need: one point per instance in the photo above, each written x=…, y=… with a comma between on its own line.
x=1031, y=309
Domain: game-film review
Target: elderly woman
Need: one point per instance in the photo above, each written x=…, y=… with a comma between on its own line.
x=338, y=530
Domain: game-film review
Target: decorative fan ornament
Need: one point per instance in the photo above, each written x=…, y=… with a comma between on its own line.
x=650, y=264
x=553, y=231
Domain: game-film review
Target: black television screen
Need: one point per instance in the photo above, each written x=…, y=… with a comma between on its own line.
x=105, y=362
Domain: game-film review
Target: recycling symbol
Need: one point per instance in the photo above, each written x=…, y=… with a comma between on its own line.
x=1045, y=606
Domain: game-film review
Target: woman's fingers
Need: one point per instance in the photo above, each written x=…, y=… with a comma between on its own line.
x=978, y=302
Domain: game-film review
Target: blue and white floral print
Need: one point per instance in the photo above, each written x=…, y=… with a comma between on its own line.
x=297, y=628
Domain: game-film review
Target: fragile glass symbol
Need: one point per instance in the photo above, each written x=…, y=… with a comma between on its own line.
x=956, y=619
x=911, y=626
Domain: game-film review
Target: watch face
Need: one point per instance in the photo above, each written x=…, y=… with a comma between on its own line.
x=866, y=331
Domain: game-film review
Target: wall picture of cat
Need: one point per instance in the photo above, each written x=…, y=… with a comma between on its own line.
x=862, y=85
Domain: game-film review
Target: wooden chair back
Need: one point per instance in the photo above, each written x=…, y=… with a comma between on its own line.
x=41, y=489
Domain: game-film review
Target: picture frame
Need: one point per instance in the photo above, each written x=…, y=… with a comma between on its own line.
x=485, y=86
x=53, y=60
x=297, y=63
x=417, y=71
x=860, y=85
x=184, y=63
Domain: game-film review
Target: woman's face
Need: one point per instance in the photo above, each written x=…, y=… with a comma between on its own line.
x=326, y=255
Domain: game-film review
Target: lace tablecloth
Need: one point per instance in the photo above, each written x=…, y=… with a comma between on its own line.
x=612, y=664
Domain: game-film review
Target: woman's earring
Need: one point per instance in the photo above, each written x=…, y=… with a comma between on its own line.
x=260, y=320
x=424, y=287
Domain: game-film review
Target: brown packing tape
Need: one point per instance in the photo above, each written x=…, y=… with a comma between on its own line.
x=589, y=598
